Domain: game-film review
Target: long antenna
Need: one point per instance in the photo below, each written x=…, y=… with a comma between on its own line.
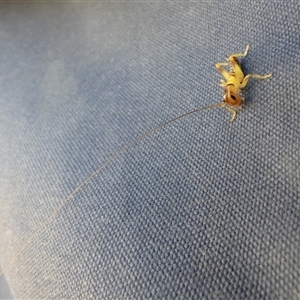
x=105, y=164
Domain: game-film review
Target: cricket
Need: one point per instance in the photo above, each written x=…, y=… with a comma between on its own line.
x=234, y=82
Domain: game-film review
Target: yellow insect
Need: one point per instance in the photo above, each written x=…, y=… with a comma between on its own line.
x=235, y=81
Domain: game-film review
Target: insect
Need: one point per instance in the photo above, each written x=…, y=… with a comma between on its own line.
x=232, y=101
x=235, y=81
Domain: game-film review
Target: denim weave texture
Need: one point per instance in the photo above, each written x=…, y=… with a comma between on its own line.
x=201, y=209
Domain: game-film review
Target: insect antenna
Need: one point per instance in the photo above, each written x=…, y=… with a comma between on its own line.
x=98, y=170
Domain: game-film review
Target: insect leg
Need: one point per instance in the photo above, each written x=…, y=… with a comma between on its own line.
x=223, y=71
x=231, y=110
x=223, y=83
x=241, y=54
x=223, y=64
x=257, y=76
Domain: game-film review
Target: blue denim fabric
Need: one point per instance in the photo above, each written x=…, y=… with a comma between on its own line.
x=202, y=209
